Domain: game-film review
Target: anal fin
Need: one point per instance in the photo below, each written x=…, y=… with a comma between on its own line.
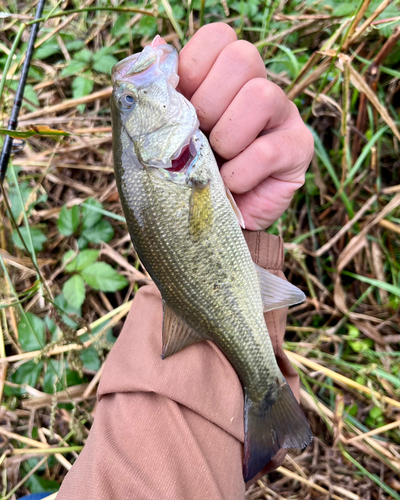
x=176, y=334
x=277, y=292
x=270, y=425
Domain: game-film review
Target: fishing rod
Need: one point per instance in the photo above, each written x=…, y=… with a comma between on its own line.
x=13, y=121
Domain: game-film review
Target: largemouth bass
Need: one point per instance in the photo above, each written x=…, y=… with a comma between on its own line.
x=184, y=227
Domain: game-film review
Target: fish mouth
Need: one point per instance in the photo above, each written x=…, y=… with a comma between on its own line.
x=181, y=163
x=184, y=157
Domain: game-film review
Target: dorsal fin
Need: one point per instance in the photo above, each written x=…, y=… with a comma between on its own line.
x=177, y=334
x=277, y=292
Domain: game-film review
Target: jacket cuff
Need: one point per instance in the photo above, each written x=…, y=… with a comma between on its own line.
x=266, y=249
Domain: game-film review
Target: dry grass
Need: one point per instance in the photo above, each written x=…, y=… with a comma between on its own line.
x=342, y=236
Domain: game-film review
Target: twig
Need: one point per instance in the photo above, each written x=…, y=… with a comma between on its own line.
x=341, y=378
x=23, y=480
x=301, y=479
x=70, y=103
x=374, y=432
x=369, y=21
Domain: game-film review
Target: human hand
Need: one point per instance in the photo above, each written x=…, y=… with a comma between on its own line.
x=252, y=126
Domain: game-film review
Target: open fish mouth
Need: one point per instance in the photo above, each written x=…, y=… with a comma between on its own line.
x=184, y=157
x=179, y=168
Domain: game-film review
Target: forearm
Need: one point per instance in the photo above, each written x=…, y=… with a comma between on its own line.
x=171, y=428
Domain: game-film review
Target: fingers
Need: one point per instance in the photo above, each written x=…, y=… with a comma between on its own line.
x=264, y=204
x=252, y=123
x=199, y=54
x=238, y=63
x=286, y=153
x=259, y=105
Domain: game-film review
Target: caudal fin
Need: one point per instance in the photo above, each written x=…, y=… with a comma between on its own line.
x=271, y=425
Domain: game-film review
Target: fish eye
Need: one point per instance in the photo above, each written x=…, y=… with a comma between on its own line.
x=126, y=101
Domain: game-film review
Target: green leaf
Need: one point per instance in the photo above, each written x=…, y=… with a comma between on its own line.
x=31, y=332
x=39, y=484
x=68, y=256
x=29, y=95
x=73, y=68
x=361, y=345
x=74, y=291
x=148, y=26
x=53, y=376
x=82, y=242
x=83, y=259
x=73, y=378
x=47, y=49
x=43, y=130
x=53, y=329
x=105, y=64
x=68, y=221
x=83, y=55
x=344, y=9
x=90, y=359
x=120, y=26
x=28, y=374
x=81, y=86
x=102, y=231
x=107, y=213
x=16, y=207
x=353, y=331
x=352, y=410
x=74, y=45
x=102, y=276
x=62, y=303
x=378, y=283
x=38, y=238
x=91, y=217
x=360, y=380
x=375, y=412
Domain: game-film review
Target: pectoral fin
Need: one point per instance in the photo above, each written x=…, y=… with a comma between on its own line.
x=201, y=210
x=177, y=334
x=236, y=209
x=277, y=292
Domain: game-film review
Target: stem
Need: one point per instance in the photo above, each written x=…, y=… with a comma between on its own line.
x=97, y=9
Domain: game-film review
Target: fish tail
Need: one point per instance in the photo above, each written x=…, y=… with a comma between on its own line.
x=271, y=424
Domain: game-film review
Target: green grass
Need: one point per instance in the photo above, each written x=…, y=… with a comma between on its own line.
x=65, y=291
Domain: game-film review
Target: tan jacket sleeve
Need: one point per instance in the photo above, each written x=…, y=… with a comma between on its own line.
x=173, y=428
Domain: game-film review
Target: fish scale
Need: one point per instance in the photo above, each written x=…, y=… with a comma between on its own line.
x=186, y=234
x=187, y=291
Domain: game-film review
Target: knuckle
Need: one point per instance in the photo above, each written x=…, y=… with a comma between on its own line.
x=264, y=92
x=219, y=30
x=221, y=143
x=306, y=147
x=309, y=142
x=299, y=181
x=306, y=139
x=243, y=53
x=217, y=141
x=264, y=154
x=190, y=73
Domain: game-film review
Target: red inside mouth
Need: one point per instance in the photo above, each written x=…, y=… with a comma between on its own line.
x=179, y=163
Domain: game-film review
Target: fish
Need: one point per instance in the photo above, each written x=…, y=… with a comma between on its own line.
x=186, y=230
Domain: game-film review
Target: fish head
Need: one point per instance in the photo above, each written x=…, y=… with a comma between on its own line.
x=158, y=121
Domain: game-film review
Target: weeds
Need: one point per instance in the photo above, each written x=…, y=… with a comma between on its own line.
x=69, y=272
